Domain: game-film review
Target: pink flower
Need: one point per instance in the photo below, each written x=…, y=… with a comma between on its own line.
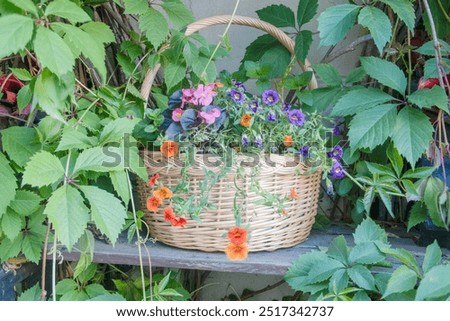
x=176, y=114
x=209, y=117
x=188, y=97
x=205, y=94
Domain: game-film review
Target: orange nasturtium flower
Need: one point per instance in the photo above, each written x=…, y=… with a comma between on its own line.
x=294, y=194
x=169, y=148
x=153, y=203
x=169, y=215
x=237, y=235
x=236, y=252
x=288, y=141
x=178, y=222
x=245, y=120
x=153, y=180
x=163, y=193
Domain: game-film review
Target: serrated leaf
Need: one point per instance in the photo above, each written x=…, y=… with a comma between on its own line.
x=418, y=173
x=24, y=97
x=403, y=256
x=338, y=281
x=10, y=249
x=20, y=143
x=43, y=169
x=107, y=211
x=52, y=52
x=11, y=224
x=386, y=199
x=21, y=74
x=362, y=277
x=369, y=231
x=278, y=15
x=66, y=285
x=68, y=214
x=430, y=68
x=15, y=33
x=435, y=284
x=396, y=159
x=328, y=74
x=325, y=97
x=339, y=250
x=75, y=139
x=306, y=10
x=404, y=10
x=425, y=97
x=322, y=270
x=155, y=27
x=68, y=10
x=335, y=22
x=26, y=5
x=174, y=74
x=378, y=24
x=120, y=183
x=297, y=273
x=32, y=247
x=386, y=72
x=32, y=294
x=135, y=6
x=366, y=253
x=368, y=198
x=433, y=189
x=25, y=203
x=412, y=133
x=403, y=279
x=178, y=13
x=372, y=127
x=95, y=290
x=358, y=100
x=100, y=31
x=355, y=75
x=99, y=159
x=433, y=256
x=8, y=185
x=428, y=49
x=116, y=130
x=108, y=297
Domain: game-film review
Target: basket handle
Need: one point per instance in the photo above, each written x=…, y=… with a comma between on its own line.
x=237, y=20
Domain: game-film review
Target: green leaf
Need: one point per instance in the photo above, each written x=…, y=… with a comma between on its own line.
x=276, y=60
x=116, y=130
x=107, y=211
x=174, y=74
x=403, y=279
x=339, y=250
x=32, y=247
x=68, y=214
x=403, y=256
x=386, y=199
x=325, y=97
x=378, y=24
x=20, y=143
x=95, y=290
x=306, y=10
x=338, y=281
x=178, y=13
x=383, y=170
x=9, y=184
x=52, y=52
x=396, y=159
x=427, y=48
x=303, y=42
x=99, y=31
x=435, y=284
x=25, y=203
x=369, y=231
x=32, y=294
x=89, y=47
x=155, y=27
x=136, y=164
x=430, y=68
x=433, y=256
x=366, y=253
x=418, y=173
x=120, y=183
x=11, y=224
x=108, y=297
x=358, y=100
x=68, y=10
x=24, y=97
x=198, y=66
x=369, y=196
x=74, y=295
x=335, y=22
x=297, y=273
x=257, y=48
x=412, y=133
x=278, y=15
x=21, y=74
x=99, y=159
x=324, y=269
x=43, y=169
x=404, y=10
x=362, y=277
x=15, y=33
x=386, y=72
x=433, y=190
x=372, y=127
x=66, y=285
x=435, y=96
x=329, y=74
x=135, y=6
x=9, y=249
x=355, y=75
x=26, y=5
x=75, y=139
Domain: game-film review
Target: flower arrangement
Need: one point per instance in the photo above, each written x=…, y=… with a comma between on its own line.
x=224, y=119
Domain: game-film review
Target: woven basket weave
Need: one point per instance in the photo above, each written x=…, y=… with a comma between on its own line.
x=268, y=229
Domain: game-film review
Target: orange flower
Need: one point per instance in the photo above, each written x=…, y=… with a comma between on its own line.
x=169, y=148
x=153, y=180
x=169, y=215
x=163, y=193
x=245, y=120
x=294, y=194
x=236, y=252
x=237, y=235
x=153, y=203
x=178, y=222
x=288, y=141
x=218, y=85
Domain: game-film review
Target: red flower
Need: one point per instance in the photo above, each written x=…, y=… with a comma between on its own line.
x=237, y=235
x=430, y=82
x=163, y=193
x=153, y=203
x=10, y=86
x=236, y=252
x=170, y=217
x=294, y=194
x=178, y=222
x=169, y=148
x=153, y=180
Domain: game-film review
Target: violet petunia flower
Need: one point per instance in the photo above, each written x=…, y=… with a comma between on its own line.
x=254, y=106
x=176, y=114
x=245, y=140
x=271, y=117
x=336, y=153
x=237, y=96
x=238, y=84
x=270, y=97
x=296, y=117
x=259, y=142
x=336, y=130
x=286, y=107
x=304, y=151
x=337, y=171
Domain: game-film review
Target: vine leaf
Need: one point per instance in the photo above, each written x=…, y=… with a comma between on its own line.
x=15, y=32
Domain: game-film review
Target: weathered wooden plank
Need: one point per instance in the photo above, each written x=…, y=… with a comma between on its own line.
x=271, y=263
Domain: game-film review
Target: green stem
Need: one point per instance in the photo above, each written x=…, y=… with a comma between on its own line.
x=410, y=71
x=354, y=181
x=54, y=268
x=86, y=111
x=134, y=70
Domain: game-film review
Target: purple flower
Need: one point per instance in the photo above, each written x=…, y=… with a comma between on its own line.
x=209, y=117
x=304, y=151
x=237, y=96
x=238, y=84
x=336, y=153
x=176, y=114
x=254, y=106
x=337, y=171
x=245, y=140
x=296, y=117
x=271, y=117
x=259, y=142
x=336, y=130
x=286, y=107
x=205, y=94
x=270, y=97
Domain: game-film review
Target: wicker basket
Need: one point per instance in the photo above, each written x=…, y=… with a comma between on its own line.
x=268, y=229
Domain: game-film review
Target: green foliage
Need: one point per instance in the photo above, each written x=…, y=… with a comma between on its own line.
x=335, y=22
x=378, y=24
x=306, y=10
x=385, y=72
x=9, y=185
x=16, y=31
x=155, y=26
x=278, y=15
x=405, y=11
x=43, y=169
x=435, y=96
